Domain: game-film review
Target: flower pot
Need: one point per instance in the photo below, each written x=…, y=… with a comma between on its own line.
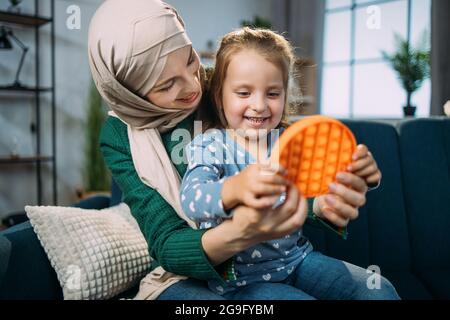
x=409, y=111
x=14, y=9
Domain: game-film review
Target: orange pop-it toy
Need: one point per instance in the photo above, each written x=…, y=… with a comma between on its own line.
x=314, y=150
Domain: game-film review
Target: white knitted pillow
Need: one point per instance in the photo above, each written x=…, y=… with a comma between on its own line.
x=96, y=254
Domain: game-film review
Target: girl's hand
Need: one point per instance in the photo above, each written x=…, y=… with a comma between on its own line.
x=249, y=227
x=344, y=199
x=262, y=225
x=365, y=166
x=258, y=186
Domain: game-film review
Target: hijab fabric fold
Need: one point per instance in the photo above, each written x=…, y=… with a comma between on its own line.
x=128, y=44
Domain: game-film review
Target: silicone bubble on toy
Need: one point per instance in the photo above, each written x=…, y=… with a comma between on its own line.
x=313, y=150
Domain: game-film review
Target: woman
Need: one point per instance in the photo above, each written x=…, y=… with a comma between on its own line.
x=145, y=68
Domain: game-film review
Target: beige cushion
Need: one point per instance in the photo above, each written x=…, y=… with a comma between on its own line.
x=96, y=254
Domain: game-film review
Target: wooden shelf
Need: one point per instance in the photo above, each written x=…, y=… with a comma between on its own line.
x=15, y=160
x=23, y=89
x=207, y=55
x=23, y=19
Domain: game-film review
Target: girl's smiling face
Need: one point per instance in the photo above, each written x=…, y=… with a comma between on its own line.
x=253, y=93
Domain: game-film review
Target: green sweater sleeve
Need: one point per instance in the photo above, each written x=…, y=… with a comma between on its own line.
x=172, y=243
x=315, y=221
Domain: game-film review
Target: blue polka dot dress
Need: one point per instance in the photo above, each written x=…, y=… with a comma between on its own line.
x=212, y=157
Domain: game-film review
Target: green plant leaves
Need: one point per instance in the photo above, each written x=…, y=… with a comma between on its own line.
x=411, y=64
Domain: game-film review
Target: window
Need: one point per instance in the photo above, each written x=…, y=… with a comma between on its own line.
x=356, y=81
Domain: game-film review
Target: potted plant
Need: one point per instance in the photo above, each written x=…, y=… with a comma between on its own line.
x=412, y=66
x=258, y=22
x=14, y=6
x=97, y=178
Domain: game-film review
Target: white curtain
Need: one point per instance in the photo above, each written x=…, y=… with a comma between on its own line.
x=440, y=53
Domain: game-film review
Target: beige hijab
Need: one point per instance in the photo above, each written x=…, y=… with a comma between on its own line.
x=129, y=41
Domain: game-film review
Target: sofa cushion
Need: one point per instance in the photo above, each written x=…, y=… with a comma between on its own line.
x=425, y=164
x=408, y=285
x=379, y=236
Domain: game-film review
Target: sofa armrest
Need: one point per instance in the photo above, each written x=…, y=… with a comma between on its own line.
x=25, y=271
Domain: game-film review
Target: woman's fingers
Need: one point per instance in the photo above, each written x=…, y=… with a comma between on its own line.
x=360, y=164
x=341, y=208
x=367, y=171
x=352, y=197
x=334, y=218
x=361, y=152
x=353, y=181
x=374, y=178
x=296, y=220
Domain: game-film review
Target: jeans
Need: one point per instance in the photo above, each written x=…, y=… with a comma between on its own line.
x=190, y=289
x=316, y=277
x=319, y=277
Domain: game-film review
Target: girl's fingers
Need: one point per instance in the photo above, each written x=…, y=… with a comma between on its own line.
x=290, y=204
x=273, y=179
x=272, y=168
x=263, y=202
x=296, y=220
x=266, y=189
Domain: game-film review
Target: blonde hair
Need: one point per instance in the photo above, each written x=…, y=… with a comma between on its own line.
x=271, y=45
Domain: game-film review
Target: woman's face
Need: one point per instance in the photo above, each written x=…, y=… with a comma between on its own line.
x=179, y=85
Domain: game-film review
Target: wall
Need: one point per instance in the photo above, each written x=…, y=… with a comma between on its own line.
x=205, y=20
x=18, y=182
x=210, y=20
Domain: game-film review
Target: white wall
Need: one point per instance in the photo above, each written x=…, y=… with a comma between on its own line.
x=18, y=182
x=205, y=20
x=211, y=19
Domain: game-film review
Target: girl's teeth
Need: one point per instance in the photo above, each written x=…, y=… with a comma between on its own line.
x=258, y=120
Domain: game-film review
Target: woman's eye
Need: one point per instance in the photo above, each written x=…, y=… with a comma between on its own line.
x=193, y=58
x=167, y=88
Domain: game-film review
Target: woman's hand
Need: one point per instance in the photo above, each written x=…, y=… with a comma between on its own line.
x=250, y=226
x=263, y=225
x=365, y=166
x=341, y=204
x=258, y=186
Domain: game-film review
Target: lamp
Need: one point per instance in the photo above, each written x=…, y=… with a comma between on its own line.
x=5, y=43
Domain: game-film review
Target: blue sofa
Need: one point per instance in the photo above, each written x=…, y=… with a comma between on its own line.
x=404, y=228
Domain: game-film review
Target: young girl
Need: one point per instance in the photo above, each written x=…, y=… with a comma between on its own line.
x=227, y=166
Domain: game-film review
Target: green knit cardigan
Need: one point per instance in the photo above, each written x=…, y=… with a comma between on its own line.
x=172, y=243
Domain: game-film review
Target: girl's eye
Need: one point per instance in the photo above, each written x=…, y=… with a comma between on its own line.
x=274, y=94
x=243, y=93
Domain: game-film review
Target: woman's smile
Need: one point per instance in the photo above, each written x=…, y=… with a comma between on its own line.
x=190, y=98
